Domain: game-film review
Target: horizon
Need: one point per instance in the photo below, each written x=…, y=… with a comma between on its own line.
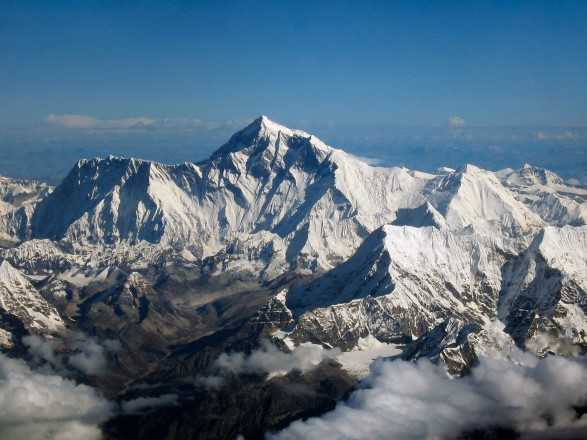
x=408, y=156
x=371, y=161
x=423, y=84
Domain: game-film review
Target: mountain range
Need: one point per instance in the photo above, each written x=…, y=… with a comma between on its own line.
x=279, y=238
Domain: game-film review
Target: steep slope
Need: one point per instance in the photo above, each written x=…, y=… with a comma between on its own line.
x=17, y=201
x=400, y=282
x=472, y=196
x=547, y=194
x=404, y=281
x=544, y=298
x=459, y=345
x=20, y=299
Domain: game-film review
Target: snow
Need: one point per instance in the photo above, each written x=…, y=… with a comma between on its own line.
x=547, y=194
x=319, y=202
x=395, y=252
x=18, y=297
x=367, y=350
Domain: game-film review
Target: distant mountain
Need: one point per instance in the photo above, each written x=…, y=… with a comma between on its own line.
x=17, y=202
x=547, y=194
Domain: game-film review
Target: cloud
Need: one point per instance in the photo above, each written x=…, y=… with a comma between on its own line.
x=137, y=123
x=84, y=353
x=73, y=121
x=456, y=122
x=137, y=405
x=268, y=359
x=90, y=122
x=210, y=382
x=402, y=400
x=566, y=135
x=90, y=358
x=43, y=350
x=35, y=405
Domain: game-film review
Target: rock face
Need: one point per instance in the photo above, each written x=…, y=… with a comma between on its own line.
x=17, y=202
x=22, y=301
x=544, y=299
x=406, y=279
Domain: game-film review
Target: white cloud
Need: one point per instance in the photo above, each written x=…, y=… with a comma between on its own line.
x=566, y=135
x=90, y=357
x=43, y=349
x=40, y=406
x=402, y=400
x=138, y=123
x=456, y=122
x=84, y=353
x=210, y=382
x=268, y=359
x=90, y=122
x=73, y=121
x=142, y=403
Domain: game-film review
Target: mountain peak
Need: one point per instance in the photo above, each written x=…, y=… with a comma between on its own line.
x=265, y=124
x=263, y=132
x=533, y=174
x=469, y=169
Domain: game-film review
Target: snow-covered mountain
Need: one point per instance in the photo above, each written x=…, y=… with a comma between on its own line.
x=17, y=202
x=545, y=193
x=401, y=282
x=318, y=201
x=544, y=298
x=20, y=299
x=399, y=255
x=405, y=282
x=322, y=202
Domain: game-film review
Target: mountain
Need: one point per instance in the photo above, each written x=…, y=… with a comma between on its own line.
x=544, y=299
x=547, y=194
x=20, y=300
x=472, y=196
x=17, y=202
x=389, y=252
x=401, y=282
x=283, y=240
x=319, y=200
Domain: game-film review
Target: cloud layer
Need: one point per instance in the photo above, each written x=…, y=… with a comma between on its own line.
x=268, y=359
x=456, y=122
x=418, y=401
x=35, y=405
x=84, y=353
x=136, y=123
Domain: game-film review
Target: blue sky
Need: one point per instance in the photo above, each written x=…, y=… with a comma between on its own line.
x=182, y=75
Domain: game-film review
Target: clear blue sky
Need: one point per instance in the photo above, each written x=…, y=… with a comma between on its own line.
x=85, y=67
